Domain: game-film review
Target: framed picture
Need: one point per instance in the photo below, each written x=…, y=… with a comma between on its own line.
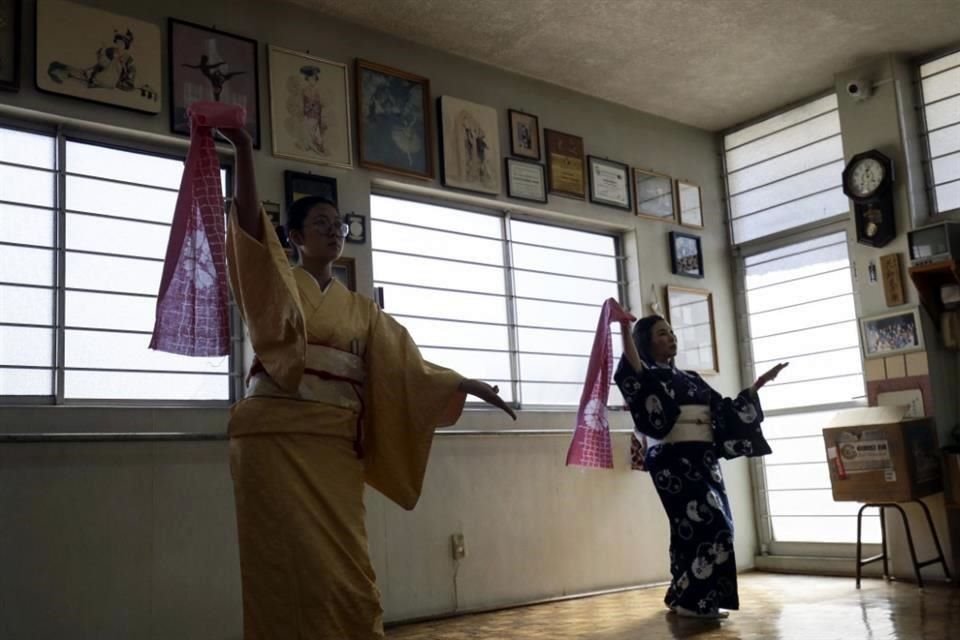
x=690, y=313
x=526, y=180
x=298, y=185
x=358, y=228
x=10, y=11
x=891, y=333
x=610, y=183
x=469, y=146
x=524, y=135
x=210, y=65
x=690, y=204
x=94, y=55
x=565, y=163
x=654, y=195
x=686, y=255
x=309, y=108
x=912, y=391
x=393, y=121
x=345, y=270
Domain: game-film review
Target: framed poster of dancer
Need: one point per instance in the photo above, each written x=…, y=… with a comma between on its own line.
x=206, y=64
x=93, y=55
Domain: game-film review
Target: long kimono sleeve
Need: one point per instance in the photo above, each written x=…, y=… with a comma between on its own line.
x=406, y=398
x=266, y=292
x=650, y=399
x=738, y=431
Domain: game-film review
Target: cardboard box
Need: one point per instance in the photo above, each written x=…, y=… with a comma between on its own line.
x=879, y=454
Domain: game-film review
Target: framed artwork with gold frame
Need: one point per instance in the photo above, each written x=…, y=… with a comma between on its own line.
x=689, y=204
x=566, y=164
x=690, y=313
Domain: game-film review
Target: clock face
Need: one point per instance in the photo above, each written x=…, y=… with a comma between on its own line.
x=866, y=177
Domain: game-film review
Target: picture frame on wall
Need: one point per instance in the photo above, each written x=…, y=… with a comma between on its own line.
x=95, y=55
x=654, y=195
x=393, y=120
x=610, y=183
x=690, y=204
x=686, y=255
x=891, y=333
x=345, y=270
x=690, y=314
x=469, y=146
x=10, y=15
x=526, y=180
x=524, y=135
x=211, y=65
x=309, y=108
x=298, y=185
x=565, y=164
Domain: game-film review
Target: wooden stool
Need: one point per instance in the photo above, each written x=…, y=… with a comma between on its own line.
x=883, y=541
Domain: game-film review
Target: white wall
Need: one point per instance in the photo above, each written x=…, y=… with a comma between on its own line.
x=137, y=540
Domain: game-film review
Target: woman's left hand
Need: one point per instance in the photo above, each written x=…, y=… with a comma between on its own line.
x=769, y=375
x=490, y=395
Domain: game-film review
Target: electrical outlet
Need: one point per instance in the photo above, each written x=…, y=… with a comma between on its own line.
x=458, y=546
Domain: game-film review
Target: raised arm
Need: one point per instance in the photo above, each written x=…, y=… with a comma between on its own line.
x=630, y=347
x=245, y=197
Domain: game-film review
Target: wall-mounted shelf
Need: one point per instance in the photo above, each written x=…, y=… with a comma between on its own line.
x=928, y=278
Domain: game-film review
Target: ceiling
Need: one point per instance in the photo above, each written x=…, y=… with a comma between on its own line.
x=706, y=63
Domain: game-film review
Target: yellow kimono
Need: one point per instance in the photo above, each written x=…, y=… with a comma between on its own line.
x=336, y=378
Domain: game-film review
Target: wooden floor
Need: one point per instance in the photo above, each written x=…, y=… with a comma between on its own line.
x=774, y=607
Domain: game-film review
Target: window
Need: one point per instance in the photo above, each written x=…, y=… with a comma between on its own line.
x=785, y=171
x=84, y=234
x=509, y=301
x=940, y=85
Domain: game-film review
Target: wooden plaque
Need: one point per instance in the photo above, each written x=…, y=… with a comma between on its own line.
x=892, y=273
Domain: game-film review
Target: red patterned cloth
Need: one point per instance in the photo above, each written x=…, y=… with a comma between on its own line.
x=591, y=445
x=192, y=310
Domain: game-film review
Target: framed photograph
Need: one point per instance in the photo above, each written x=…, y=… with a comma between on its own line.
x=654, y=195
x=524, y=135
x=213, y=66
x=272, y=209
x=298, y=185
x=526, y=180
x=345, y=270
x=10, y=12
x=891, y=333
x=94, y=55
x=393, y=121
x=469, y=146
x=686, y=255
x=690, y=313
x=309, y=108
x=911, y=391
x=690, y=204
x=358, y=228
x=610, y=183
x=565, y=163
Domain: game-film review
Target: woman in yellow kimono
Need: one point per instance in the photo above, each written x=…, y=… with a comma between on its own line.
x=338, y=396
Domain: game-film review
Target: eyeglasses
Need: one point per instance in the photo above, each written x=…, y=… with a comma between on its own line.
x=326, y=226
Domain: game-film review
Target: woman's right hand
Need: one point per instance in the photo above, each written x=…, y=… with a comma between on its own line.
x=621, y=315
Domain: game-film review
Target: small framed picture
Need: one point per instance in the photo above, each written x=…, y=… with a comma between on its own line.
x=469, y=146
x=690, y=313
x=524, y=135
x=345, y=270
x=891, y=333
x=358, y=228
x=610, y=183
x=526, y=180
x=300, y=185
x=10, y=11
x=690, y=204
x=654, y=195
x=686, y=255
x=565, y=163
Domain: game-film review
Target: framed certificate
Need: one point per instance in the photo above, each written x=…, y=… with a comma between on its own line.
x=610, y=183
x=526, y=180
x=565, y=163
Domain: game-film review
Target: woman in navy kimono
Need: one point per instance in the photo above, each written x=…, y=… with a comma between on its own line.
x=686, y=427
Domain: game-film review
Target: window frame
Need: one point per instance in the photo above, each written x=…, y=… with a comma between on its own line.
x=935, y=215
x=61, y=133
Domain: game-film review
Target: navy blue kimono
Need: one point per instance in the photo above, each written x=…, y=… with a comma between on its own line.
x=688, y=479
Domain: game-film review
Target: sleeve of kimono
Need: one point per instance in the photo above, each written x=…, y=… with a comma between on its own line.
x=266, y=292
x=406, y=398
x=740, y=433
x=650, y=400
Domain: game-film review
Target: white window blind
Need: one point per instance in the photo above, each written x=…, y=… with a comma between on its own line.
x=99, y=272
x=940, y=85
x=785, y=172
x=512, y=302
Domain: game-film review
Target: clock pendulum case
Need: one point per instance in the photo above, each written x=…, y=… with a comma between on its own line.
x=868, y=181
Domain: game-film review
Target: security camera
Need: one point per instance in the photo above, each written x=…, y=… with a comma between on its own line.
x=859, y=89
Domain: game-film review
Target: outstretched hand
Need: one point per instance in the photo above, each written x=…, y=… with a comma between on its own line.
x=490, y=395
x=769, y=375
